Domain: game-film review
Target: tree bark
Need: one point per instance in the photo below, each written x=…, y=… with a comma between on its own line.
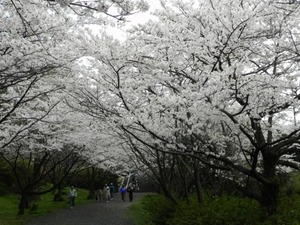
x=197, y=182
x=270, y=191
x=269, y=199
x=23, y=204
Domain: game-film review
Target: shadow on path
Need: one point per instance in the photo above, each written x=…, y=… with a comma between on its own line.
x=111, y=213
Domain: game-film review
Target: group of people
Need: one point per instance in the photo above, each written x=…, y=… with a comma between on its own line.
x=129, y=190
x=105, y=194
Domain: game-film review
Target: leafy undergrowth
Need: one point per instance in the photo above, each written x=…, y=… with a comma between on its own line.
x=139, y=214
x=156, y=210
x=151, y=210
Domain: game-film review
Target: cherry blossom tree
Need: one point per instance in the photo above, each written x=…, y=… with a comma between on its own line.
x=216, y=82
x=32, y=66
x=39, y=42
x=117, y=9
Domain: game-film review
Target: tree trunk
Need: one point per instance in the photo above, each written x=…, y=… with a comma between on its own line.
x=197, y=182
x=91, y=194
x=23, y=204
x=269, y=199
x=91, y=184
x=167, y=193
x=270, y=191
x=162, y=179
x=58, y=197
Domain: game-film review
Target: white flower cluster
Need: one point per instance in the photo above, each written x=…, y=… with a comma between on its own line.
x=128, y=6
x=102, y=6
x=143, y=6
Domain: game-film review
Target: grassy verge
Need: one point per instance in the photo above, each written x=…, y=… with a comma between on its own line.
x=139, y=214
x=225, y=210
x=9, y=207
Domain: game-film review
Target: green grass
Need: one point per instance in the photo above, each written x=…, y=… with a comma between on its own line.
x=139, y=214
x=9, y=210
x=225, y=210
x=9, y=207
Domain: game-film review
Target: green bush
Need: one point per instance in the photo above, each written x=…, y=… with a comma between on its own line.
x=292, y=184
x=235, y=211
x=186, y=214
x=138, y=214
x=4, y=190
x=288, y=212
x=220, y=211
x=159, y=208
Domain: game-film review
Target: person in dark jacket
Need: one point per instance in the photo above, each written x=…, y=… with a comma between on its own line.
x=130, y=190
x=112, y=190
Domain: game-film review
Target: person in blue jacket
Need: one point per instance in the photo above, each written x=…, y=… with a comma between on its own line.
x=123, y=192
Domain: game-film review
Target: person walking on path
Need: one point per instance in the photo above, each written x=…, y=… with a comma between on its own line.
x=99, y=195
x=104, y=190
x=72, y=196
x=112, y=190
x=123, y=192
x=107, y=194
x=130, y=191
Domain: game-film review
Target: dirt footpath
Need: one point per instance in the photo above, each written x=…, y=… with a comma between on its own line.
x=112, y=213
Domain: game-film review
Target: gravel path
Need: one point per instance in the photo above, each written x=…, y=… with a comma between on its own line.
x=112, y=213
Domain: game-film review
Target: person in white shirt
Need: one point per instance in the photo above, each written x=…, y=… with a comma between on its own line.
x=72, y=195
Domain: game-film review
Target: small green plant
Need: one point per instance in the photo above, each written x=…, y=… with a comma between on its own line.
x=292, y=184
x=153, y=209
x=139, y=214
x=160, y=208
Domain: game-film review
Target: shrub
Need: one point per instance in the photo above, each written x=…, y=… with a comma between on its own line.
x=223, y=210
x=4, y=190
x=186, y=214
x=220, y=211
x=138, y=214
x=160, y=208
x=292, y=184
x=288, y=212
